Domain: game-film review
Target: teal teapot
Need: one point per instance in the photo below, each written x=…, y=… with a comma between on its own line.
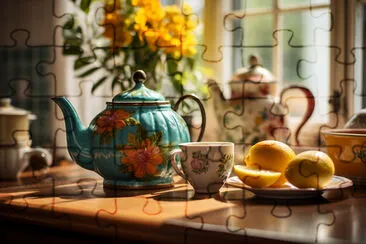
x=128, y=143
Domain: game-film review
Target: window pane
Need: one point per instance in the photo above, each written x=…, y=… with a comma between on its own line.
x=297, y=3
x=258, y=39
x=20, y=69
x=252, y=5
x=360, y=58
x=306, y=57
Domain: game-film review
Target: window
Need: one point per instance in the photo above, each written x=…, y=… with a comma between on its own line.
x=25, y=63
x=292, y=39
x=303, y=42
x=22, y=67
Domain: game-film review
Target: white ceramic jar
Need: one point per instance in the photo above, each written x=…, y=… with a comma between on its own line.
x=15, y=150
x=14, y=123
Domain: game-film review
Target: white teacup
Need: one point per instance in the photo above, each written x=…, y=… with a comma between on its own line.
x=206, y=165
x=14, y=159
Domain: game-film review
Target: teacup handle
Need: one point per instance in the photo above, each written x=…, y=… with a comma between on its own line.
x=202, y=109
x=173, y=154
x=43, y=154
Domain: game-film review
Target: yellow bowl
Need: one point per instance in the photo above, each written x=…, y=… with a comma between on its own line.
x=347, y=149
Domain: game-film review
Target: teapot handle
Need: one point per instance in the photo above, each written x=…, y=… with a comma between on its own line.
x=310, y=106
x=202, y=109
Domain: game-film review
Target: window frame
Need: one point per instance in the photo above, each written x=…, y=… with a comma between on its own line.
x=342, y=38
x=275, y=12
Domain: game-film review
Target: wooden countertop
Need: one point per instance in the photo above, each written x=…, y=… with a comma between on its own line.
x=71, y=198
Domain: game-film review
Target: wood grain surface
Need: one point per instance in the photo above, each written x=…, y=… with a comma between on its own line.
x=72, y=199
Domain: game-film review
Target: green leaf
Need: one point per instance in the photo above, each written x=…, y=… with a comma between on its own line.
x=141, y=133
x=73, y=41
x=85, y=5
x=69, y=23
x=69, y=49
x=98, y=83
x=81, y=62
x=73, y=36
x=191, y=63
x=156, y=138
x=131, y=121
x=115, y=82
x=88, y=72
x=79, y=30
x=172, y=66
x=177, y=84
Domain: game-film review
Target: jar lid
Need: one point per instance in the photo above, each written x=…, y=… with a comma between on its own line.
x=139, y=93
x=7, y=109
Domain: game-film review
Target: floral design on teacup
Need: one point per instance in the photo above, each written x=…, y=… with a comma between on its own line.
x=199, y=163
x=225, y=166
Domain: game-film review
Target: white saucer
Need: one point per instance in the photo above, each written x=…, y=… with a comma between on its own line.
x=289, y=191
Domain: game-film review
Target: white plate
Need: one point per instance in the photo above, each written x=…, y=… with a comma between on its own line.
x=289, y=191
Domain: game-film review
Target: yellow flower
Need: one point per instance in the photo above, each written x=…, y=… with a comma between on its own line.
x=115, y=29
x=191, y=24
x=172, y=10
x=127, y=22
x=178, y=19
x=168, y=28
x=140, y=17
x=148, y=4
x=171, y=46
x=187, y=9
x=176, y=54
x=189, y=51
x=151, y=38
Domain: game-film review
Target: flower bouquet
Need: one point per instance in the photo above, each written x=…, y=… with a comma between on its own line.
x=117, y=37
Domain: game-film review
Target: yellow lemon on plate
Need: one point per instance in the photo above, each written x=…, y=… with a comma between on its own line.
x=270, y=155
x=310, y=169
x=255, y=177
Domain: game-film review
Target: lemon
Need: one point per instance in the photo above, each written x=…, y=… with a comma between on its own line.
x=270, y=155
x=255, y=177
x=310, y=169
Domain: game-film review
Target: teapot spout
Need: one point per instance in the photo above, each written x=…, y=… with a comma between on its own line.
x=78, y=137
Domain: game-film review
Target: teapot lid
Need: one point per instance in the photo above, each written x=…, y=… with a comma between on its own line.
x=255, y=71
x=139, y=93
x=7, y=109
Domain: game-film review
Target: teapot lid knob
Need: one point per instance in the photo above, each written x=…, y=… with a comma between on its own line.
x=139, y=77
x=139, y=93
x=253, y=60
